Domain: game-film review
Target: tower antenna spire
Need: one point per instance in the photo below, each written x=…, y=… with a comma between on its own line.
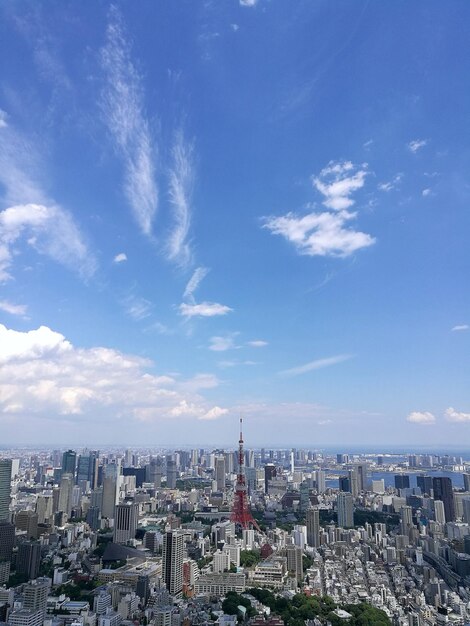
x=241, y=513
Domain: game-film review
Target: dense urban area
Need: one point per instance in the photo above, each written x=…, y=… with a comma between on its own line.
x=177, y=537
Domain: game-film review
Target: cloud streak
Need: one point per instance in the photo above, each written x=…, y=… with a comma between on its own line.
x=193, y=283
x=122, y=105
x=13, y=309
x=181, y=181
x=204, y=309
x=315, y=365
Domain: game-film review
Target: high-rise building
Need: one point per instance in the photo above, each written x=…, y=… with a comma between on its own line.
x=425, y=484
x=65, y=494
x=320, y=480
x=110, y=496
x=171, y=472
x=353, y=482
x=345, y=504
x=439, y=512
x=466, y=482
x=361, y=473
x=5, y=489
x=344, y=483
x=126, y=516
x=220, y=473
x=294, y=561
x=402, y=481
x=28, y=559
x=35, y=594
x=69, y=462
x=87, y=469
x=442, y=487
x=172, y=561
x=7, y=540
x=406, y=513
x=269, y=474
x=313, y=527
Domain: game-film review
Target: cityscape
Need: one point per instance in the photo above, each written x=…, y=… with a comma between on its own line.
x=222, y=536
x=234, y=313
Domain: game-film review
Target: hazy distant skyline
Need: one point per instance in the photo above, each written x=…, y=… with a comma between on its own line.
x=224, y=208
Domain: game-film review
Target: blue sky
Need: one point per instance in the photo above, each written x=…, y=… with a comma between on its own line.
x=210, y=209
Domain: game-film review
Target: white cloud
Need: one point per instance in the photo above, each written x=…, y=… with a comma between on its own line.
x=316, y=365
x=326, y=233
x=337, y=181
x=198, y=276
x=13, y=309
x=455, y=416
x=235, y=27
x=426, y=192
x=391, y=184
x=3, y=119
x=136, y=307
x=416, y=145
x=181, y=180
x=214, y=413
x=257, y=343
x=50, y=230
x=120, y=258
x=460, y=327
x=122, y=106
x=248, y=3
x=204, y=309
x=423, y=418
x=44, y=375
x=320, y=234
x=221, y=344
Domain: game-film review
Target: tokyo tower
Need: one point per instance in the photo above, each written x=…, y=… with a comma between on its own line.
x=241, y=513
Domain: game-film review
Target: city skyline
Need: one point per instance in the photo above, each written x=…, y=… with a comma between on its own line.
x=241, y=208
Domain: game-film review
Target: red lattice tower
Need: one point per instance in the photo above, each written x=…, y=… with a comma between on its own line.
x=241, y=513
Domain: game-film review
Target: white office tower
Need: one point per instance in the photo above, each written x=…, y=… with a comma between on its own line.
x=35, y=594
x=248, y=537
x=378, y=486
x=65, y=494
x=126, y=517
x=292, y=462
x=44, y=507
x=466, y=510
x=5, y=489
x=406, y=513
x=220, y=473
x=313, y=528
x=110, y=489
x=220, y=562
x=439, y=512
x=345, y=506
x=172, y=561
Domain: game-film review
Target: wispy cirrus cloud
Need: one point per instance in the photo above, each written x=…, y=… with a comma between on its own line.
x=13, y=309
x=390, y=184
x=193, y=283
x=181, y=181
x=136, y=307
x=123, y=112
x=424, y=418
x=416, y=144
x=452, y=415
x=316, y=365
x=257, y=343
x=460, y=327
x=203, y=309
x=223, y=343
x=327, y=233
x=248, y=3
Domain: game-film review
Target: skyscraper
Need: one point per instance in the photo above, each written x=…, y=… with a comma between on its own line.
x=425, y=484
x=220, y=473
x=402, y=481
x=110, y=489
x=5, y=489
x=442, y=487
x=171, y=472
x=28, y=559
x=172, y=561
x=126, y=516
x=69, y=462
x=313, y=527
x=345, y=506
x=269, y=474
x=65, y=494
